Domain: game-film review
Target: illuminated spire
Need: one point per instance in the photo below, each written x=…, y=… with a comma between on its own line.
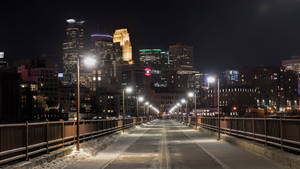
x=122, y=36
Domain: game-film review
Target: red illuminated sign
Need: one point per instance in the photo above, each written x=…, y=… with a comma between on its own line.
x=148, y=71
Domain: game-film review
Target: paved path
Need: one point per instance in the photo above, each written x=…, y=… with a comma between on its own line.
x=166, y=144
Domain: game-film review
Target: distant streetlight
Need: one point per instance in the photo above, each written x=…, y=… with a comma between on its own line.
x=89, y=61
x=149, y=109
x=193, y=94
x=212, y=80
x=139, y=99
x=183, y=101
x=127, y=89
x=179, y=109
x=145, y=110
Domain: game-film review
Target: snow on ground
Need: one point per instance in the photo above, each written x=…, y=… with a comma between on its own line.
x=89, y=149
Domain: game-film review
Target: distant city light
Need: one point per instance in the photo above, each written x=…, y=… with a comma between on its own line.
x=60, y=75
x=148, y=71
x=1, y=55
x=71, y=20
x=149, y=50
x=101, y=35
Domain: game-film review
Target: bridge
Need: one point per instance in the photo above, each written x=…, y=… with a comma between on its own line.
x=154, y=143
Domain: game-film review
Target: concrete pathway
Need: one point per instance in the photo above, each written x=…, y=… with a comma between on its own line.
x=166, y=144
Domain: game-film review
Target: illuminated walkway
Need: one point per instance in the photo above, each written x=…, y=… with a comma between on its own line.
x=166, y=144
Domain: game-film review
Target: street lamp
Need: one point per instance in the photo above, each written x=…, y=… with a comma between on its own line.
x=190, y=95
x=146, y=110
x=128, y=89
x=183, y=101
x=149, y=109
x=179, y=109
x=212, y=80
x=139, y=99
x=89, y=61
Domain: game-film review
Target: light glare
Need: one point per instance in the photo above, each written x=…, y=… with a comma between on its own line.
x=190, y=94
x=211, y=79
x=128, y=89
x=90, y=61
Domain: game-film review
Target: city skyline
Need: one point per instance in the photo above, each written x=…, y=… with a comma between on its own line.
x=150, y=84
x=224, y=34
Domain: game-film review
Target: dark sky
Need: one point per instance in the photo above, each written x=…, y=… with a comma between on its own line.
x=225, y=33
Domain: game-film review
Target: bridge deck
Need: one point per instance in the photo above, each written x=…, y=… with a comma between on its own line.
x=167, y=144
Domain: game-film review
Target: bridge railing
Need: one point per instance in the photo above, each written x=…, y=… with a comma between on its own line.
x=280, y=132
x=22, y=140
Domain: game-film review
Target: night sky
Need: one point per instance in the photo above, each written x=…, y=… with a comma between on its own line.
x=225, y=33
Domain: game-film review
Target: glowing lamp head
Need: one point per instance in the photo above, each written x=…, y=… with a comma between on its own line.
x=183, y=101
x=128, y=89
x=140, y=98
x=178, y=104
x=147, y=103
x=190, y=94
x=90, y=61
x=211, y=79
x=71, y=21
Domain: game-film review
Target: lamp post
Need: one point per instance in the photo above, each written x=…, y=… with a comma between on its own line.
x=88, y=61
x=193, y=94
x=183, y=101
x=146, y=113
x=212, y=80
x=139, y=99
x=149, y=110
x=128, y=89
x=179, y=109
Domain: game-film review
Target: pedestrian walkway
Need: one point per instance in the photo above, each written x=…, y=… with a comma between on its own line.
x=167, y=144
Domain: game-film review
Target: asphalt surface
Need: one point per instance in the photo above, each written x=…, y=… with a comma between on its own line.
x=166, y=144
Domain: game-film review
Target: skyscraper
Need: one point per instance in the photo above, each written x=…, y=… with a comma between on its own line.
x=122, y=36
x=72, y=46
x=108, y=55
x=150, y=57
x=182, y=56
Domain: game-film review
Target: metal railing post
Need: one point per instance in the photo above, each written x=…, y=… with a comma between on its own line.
x=63, y=133
x=253, y=128
x=281, y=133
x=265, y=126
x=47, y=136
x=244, y=125
x=230, y=122
x=27, y=141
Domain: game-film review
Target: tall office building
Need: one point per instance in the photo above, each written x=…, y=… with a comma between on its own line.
x=72, y=46
x=150, y=57
x=108, y=56
x=182, y=56
x=122, y=36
